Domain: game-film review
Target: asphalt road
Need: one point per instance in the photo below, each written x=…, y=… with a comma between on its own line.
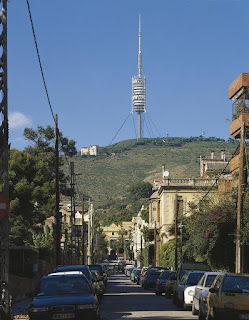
x=125, y=300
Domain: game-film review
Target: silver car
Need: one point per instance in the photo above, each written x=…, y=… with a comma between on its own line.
x=199, y=298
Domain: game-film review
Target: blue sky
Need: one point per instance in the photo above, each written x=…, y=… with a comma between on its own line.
x=192, y=50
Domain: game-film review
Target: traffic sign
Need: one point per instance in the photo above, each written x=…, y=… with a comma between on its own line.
x=4, y=206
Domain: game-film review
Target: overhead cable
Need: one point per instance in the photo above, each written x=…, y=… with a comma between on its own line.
x=39, y=59
x=120, y=128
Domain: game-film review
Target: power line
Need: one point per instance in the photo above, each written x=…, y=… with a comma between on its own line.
x=39, y=59
x=120, y=128
x=154, y=125
x=147, y=128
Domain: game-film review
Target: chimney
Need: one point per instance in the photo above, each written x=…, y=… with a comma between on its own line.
x=223, y=156
x=212, y=155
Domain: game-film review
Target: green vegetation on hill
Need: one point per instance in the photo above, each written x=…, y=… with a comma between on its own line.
x=109, y=175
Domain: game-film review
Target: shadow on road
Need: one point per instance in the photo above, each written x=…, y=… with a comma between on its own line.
x=126, y=300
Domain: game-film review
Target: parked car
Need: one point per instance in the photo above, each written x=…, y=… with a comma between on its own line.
x=151, y=277
x=127, y=266
x=170, y=284
x=128, y=271
x=99, y=283
x=82, y=268
x=137, y=274
x=144, y=269
x=101, y=270
x=184, y=267
x=64, y=296
x=186, y=288
x=132, y=274
x=161, y=281
x=229, y=297
x=143, y=278
x=203, y=285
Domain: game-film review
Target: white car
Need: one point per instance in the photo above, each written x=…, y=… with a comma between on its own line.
x=186, y=288
x=204, y=284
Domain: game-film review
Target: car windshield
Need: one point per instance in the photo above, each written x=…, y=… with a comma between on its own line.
x=194, y=278
x=165, y=275
x=172, y=276
x=64, y=285
x=236, y=284
x=210, y=280
x=97, y=268
x=85, y=271
x=155, y=271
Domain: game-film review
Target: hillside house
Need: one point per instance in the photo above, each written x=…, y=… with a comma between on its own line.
x=90, y=151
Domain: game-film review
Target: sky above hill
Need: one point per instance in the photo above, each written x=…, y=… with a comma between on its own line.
x=192, y=50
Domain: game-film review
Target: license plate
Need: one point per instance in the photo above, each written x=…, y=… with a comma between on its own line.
x=63, y=316
x=244, y=316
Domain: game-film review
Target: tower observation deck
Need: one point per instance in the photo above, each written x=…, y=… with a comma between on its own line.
x=139, y=88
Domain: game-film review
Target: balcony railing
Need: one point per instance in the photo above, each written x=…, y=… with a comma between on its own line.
x=199, y=182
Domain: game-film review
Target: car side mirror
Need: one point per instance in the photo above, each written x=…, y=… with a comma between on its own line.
x=213, y=290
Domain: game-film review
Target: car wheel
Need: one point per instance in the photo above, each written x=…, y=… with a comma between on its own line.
x=194, y=311
x=201, y=315
x=185, y=307
x=174, y=299
x=209, y=317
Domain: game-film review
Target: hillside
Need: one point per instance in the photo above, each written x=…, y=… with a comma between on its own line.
x=119, y=166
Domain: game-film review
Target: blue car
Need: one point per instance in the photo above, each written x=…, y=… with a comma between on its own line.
x=68, y=296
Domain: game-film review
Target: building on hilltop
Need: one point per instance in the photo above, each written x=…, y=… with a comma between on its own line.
x=90, y=151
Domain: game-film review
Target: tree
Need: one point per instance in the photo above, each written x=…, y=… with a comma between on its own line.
x=209, y=235
x=32, y=184
x=140, y=190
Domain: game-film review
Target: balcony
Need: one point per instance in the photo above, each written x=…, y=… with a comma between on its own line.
x=199, y=182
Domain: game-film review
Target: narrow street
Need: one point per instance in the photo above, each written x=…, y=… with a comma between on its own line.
x=125, y=300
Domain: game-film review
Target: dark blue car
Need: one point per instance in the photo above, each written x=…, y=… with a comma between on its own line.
x=67, y=296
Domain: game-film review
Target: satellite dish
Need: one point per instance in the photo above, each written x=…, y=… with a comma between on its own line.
x=166, y=173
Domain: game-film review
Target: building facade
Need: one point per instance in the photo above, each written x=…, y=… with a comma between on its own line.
x=90, y=151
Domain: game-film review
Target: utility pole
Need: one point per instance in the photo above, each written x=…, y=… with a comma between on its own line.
x=242, y=181
x=92, y=234
x=155, y=253
x=141, y=256
x=57, y=200
x=72, y=218
x=90, y=241
x=83, y=233
x=4, y=178
x=176, y=216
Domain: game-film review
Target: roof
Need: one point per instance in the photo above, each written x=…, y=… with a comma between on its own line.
x=64, y=273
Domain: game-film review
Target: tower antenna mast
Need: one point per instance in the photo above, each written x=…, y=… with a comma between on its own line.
x=139, y=50
x=139, y=87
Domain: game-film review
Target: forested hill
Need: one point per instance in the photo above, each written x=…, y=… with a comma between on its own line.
x=110, y=174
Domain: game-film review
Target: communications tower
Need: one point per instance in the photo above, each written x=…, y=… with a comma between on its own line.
x=139, y=88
